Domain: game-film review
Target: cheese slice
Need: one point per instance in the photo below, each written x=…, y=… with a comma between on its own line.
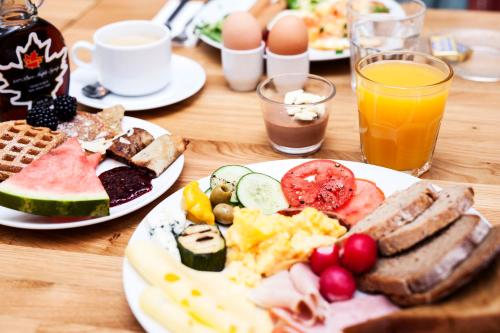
x=168, y=313
x=209, y=298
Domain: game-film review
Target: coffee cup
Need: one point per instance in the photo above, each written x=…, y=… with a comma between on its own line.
x=131, y=58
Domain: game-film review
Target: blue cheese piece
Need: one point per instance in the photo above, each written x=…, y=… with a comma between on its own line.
x=165, y=227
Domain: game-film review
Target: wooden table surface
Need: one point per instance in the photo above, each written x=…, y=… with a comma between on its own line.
x=70, y=280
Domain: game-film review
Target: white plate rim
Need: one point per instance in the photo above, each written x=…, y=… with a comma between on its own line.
x=199, y=81
x=133, y=283
x=314, y=54
x=166, y=182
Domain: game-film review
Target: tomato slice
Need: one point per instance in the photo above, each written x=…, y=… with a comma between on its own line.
x=322, y=184
x=366, y=198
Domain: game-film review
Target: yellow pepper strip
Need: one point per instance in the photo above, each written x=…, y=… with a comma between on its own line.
x=197, y=204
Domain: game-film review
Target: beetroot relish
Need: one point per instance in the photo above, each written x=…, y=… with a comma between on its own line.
x=124, y=184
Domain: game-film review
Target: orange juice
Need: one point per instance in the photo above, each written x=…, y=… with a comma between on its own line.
x=400, y=105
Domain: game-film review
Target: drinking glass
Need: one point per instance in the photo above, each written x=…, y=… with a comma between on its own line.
x=372, y=30
x=401, y=100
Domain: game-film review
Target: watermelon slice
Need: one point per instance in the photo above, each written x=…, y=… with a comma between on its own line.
x=63, y=182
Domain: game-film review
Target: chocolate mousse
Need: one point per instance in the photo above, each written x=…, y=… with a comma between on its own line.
x=299, y=122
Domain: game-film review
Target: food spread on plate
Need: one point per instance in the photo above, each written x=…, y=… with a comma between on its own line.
x=42, y=156
x=309, y=249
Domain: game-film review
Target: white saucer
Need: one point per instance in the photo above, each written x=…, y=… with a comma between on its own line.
x=188, y=77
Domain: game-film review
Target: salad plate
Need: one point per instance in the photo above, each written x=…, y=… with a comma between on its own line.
x=160, y=185
x=387, y=180
x=216, y=10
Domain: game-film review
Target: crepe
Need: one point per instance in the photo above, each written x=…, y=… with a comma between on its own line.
x=160, y=154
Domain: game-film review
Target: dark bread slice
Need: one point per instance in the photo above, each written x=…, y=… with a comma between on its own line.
x=453, y=201
x=429, y=263
x=398, y=209
x=480, y=258
x=475, y=307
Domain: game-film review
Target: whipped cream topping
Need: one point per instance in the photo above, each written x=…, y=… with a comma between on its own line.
x=302, y=108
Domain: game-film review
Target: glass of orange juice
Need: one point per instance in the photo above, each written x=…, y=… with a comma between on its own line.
x=401, y=101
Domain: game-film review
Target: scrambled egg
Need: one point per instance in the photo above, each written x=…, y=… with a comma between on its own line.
x=260, y=245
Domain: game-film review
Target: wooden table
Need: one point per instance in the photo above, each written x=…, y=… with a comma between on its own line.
x=70, y=280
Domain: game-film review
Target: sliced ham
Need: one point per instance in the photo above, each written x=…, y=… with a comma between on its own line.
x=293, y=299
x=340, y=315
x=307, y=283
x=296, y=292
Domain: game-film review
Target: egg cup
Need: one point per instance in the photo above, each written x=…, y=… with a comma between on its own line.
x=243, y=68
x=278, y=64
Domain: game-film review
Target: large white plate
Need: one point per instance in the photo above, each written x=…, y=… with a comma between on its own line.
x=13, y=218
x=188, y=77
x=388, y=180
x=216, y=9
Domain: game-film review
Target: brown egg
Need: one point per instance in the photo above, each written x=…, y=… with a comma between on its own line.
x=288, y=36
x=241, y=31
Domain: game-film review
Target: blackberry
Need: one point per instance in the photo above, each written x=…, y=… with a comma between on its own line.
x=65, y=107
x=42, y=116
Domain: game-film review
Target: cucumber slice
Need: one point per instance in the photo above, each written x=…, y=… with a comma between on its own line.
x=229, y=174
x=257, y=190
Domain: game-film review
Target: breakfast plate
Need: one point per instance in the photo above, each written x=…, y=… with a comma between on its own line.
x=389, y=181
x=160, y=185
x=188, y=77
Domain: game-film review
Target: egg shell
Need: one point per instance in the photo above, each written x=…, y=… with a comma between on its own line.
x=288, y=36
x=241, y=31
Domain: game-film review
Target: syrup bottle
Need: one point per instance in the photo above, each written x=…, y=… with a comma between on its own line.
x=33, y=58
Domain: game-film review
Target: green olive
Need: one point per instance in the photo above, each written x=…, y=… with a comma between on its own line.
x=221, y=194
x=224, y=214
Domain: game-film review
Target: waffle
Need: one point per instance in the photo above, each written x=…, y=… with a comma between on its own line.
x=21, y=144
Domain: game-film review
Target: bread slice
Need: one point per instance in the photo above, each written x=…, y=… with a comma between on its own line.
x=474, y=308
x=397, y=210
x=126, y=146
x=479, y=259
x=429, y=263
x=453, y=201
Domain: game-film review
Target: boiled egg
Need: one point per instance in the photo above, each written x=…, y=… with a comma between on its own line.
x=288, y=36
x=241, y=31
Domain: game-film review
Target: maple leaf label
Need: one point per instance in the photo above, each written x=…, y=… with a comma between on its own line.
x=35, y=72
x=32, y=60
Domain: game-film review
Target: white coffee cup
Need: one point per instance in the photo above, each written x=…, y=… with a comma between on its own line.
x=243, y=68
x=132, y=58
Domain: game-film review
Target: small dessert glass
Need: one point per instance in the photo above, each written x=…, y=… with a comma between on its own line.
x=288, y=133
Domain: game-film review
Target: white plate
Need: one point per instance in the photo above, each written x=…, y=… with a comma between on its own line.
x=188, y=77
x=14, y=218
x=387, y=180
x=217, y=9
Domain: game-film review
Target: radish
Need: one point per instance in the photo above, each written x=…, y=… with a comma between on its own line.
x=336, y=284
x=324, y=257
x=359, y=253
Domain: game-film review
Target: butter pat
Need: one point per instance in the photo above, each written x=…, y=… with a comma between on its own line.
x=303, y=105
x=446, y=48
x=99, y=145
